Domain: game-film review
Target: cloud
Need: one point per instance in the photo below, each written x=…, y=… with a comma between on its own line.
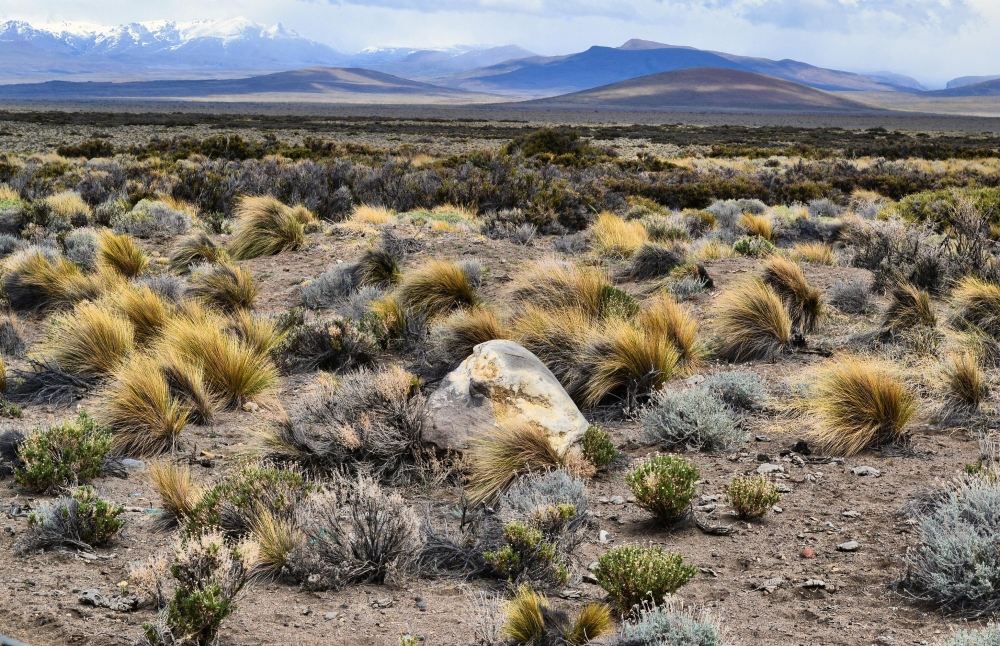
x=620, y=9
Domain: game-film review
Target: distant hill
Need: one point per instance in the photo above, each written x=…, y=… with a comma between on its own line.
x=706, y=89
x=423, y=64
x=989, y=87
x=963, y=81
x=548, y=76
x=315, y=84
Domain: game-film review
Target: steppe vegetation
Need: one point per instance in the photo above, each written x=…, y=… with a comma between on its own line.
x=248, y=334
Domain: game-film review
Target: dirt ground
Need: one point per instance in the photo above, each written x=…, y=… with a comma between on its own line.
x=856, y=605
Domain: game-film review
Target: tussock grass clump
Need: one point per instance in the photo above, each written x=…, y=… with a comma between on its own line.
x=752, y=496
x=178, y=492
x=815, y=253
x=264, y=227
x=187, y=382
x=141, y=411
x=910, y=308
x=37, y=280
x=495, y=460
x=662, y=316
x=664, y=486
x=277, y=538
x=976, y=306
x=751, y=323
x=551, y=285
x=121, y=254
x=437, y=288
x=458, y=335
x=860, y=404
x=82, y=519
x=377, y=268
x=12, y=343
x=194, y=249
x=654, y=260
x=224, y=286
x=619, y=358
x=555, y=336
x=66, y=453
x=757, y=225
x=69, y=209
x=377, y=215
x=529, y=619
x=633, y=574
x=144, y=308
x=617, y=238
x=259, y=333
x=803, y=301
x=91, y=341
x=965, y=383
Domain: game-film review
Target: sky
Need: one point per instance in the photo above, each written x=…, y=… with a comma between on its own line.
x=931, y=40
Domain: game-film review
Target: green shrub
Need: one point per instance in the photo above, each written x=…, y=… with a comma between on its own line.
x=664, y=486
x=937, y=207
x=68, y=453
x=754, y=246
x=598, y=447
x=632, y=574
x=525, y=554
x=79, y=520
x=233, y=504
x=753, y=496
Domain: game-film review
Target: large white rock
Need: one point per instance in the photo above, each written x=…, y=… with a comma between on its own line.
x=501, y=379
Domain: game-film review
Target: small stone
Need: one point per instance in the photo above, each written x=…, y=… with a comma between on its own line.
x=593, y=566
x=133, y=465
x=763, y=457
x=765, y=469
x=93, y=597
x=617, y=500
x=885, y=639
x=604, y=537
x=777, y=509
x=802, y=448
x=707, y=508
x=330, y=616
x=814, y=583
x=783, y=488
x=422, y=606
x=590, y=578
x=849, y=546
x=709, y=498
x=808, y=553
x=866, y=471
x=604, y=500
x=251, y=407
x=850, y=514
x=771, y=584
x=306, y=611
x=762, y=438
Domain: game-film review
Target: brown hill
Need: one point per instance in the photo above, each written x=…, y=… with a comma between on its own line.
x=706, y=88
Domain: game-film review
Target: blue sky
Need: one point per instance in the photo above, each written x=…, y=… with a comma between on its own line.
x=932, y=40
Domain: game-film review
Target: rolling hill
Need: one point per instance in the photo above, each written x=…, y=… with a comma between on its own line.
x=315, y=84
x=549, y=76
x=704, y=88
x=988, y=87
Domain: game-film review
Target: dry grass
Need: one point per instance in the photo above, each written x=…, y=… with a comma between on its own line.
x=141, y=411
x=225, y=286
x=121, y=254
x=91, y=341
x=276, y=539
x=69, y=206
x=556, y=337
x=35, y=282
x=264, y=227
x=804, y=302
x=860, y=404
x=757, y=225
x=593, y=621
x=497, y=458
x=375, y=215
x=751, y=322
x=260, y=334
x=7, y=194
x=711, y=250
x=617, y=238
x=965, y=383
x=662, y=316
x=553, y=285
x=525, y=621
x=461, y=332
x=178, y=492
x=377, y=268
x=145, y=310
x=976, y=306
x=187, y=381
x=621, y=359
x=530, y=621
x=815, y=253
x=437, y=288
x=910, y=307
x=390, y=315
x=3, y=376
x=193, y=249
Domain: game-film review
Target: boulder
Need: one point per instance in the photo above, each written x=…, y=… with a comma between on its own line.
x=501, y=380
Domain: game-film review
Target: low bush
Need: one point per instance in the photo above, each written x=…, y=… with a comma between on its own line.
x=987, y=636
x=852, y=296
x=12, y=334
x=66, y=211
x=598, y=447
x=81, y=248
x=64, y=454
x=264, y=227
x=751, y=323
x=152, y=219
x=82, y=519
x=669, y=625
x=824, y=208
x=754, y=246
x=664, y=486
x=92, y=341
x=338, y=344
x=224, y=286
x=686, y=287
x=694, y=419
x=909, y=308
x=121, y=254
x=802, y=299
x=617, y=238
x=331, y=288
x=195, y=249
x=752, y=496
x=437, y=288
x=143, y=414
x=741, y=390
x=634, y=574
x=860, y=404
x=530, y=620
x=653, y=260
x=526, y=556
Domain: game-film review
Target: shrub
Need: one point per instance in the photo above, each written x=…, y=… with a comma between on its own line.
x=824, y=208
x=598, y=447
x=530, y=620
x=669, y=625
x=574, y=244
x=264, y=227
x=171, y=288
x=90, y=342
x=816, y=253
x=334, y=345
x=790, y=284
x=620, y=359
x=653, y=260
x=209, y=576
x=437, y=288
x=664, y=486
x=663, y=229
x=852, y=296
x=984, y=637
x=752, y=496
x=965, y=384
x=330, y=288
x=121, y=254
x=458, y=335
x=525, y=555
x=12, y=342
x=235, y=503
x=632, y=574
x=687, y=287
x=751, y=323
x=757, y=226
x=68, y=453
x=356, y=533
x=692, y=418
x=82, y=519
x=698, y=223
x=754, y=246
x=225, y=286
x=553, y=502
x=860, y=404
x=957, y=565
x=141, y=411
x=81, y=248
x=617, y=238
x=178, y=494
x=664, y=317
x=495, y=460
x=740, y=390
x=909, y=308
x=976, y=305
x=152, y=219
x=194, y=249
x=726, y=213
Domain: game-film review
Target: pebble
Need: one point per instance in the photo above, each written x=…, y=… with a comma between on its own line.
x=885, y=639
x=850, y=514
x=133, y=465
x=617, y=500
x=762, y=438
x=593, y=566
x=814, y=583
x=422, y=606
x=604, y=537
x=763, y=457
x=866, y=471
x=330, y=616
x=709, y=498
x=765, y=469
x=808, y=553
x=849, y=546
x=771, y=584
x=777, y=509
x=783, y=488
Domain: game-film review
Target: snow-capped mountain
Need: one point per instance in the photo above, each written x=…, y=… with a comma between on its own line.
x=81, y=51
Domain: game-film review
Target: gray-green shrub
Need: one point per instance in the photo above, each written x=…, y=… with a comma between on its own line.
x=669, y=626
x=988, y=636
x=741, y=390
x=81, y=519
x=694, y=419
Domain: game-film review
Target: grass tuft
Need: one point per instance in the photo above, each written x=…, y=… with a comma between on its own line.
x=757, y=225
x=144, y=308
x=437, y=288
x=89, y=342
x=141, y=411
x=277, y=537
x=804, y=303
x=225, y=286
x=264, y=227
x=178, y=492
x=121, y=254
x=965, y=383
x=663, y=316
x=194, y=249
x=976, y=306
x=495, y=460
x=751, y=323
x=909, y=308
x=814, y=253
x=617, y=238
x=620, y=358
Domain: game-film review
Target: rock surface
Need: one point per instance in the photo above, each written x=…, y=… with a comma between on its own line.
x=501, y=380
